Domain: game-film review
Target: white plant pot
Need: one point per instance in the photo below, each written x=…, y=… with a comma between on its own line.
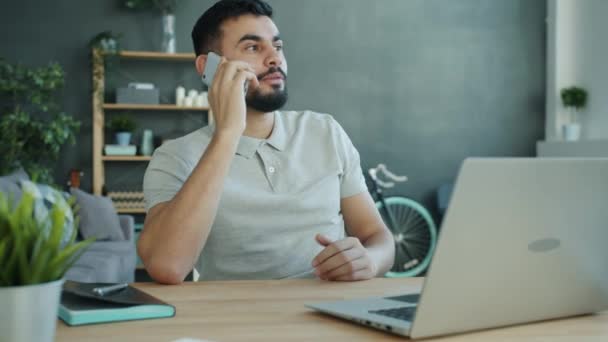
x=29, y=313
x=571, y=131
x=123, y=138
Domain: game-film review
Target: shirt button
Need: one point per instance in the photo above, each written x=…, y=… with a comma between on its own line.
x=271, y=169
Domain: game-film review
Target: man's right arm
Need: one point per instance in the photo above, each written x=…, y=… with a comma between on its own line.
x=175, y=232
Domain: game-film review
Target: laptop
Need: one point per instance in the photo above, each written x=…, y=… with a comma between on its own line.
x=523, y=240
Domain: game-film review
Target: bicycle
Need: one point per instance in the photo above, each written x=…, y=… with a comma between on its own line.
x=410, y=222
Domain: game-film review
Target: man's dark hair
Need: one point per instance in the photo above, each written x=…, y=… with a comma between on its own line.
x=206, y=31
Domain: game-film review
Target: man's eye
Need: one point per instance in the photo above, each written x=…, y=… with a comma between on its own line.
x=279, y=47
x=252, y=48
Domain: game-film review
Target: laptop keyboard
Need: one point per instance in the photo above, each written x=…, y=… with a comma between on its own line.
x=409, y=298
x=403, y=313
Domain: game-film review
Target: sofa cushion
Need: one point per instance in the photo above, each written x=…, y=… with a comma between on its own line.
x=45, y=198
x=9, y=185
x=98, y=217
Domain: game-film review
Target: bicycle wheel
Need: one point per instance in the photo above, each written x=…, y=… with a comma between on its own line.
x=415, y=236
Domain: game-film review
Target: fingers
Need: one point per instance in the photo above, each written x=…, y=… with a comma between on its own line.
x=231, y=68
x=339, y=260
x=243, y=76
x=334, y=248
x=227, y=72
x=323, y=240
x=349, y=270
x=362, y=274
x=343, y=260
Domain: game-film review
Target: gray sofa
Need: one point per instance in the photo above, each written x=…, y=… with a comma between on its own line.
x=108, y=261
x=102, y=261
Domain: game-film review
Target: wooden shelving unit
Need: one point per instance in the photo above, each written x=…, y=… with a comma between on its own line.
x=123, y=106
x=99, y=108
x=131, y=211
x=157, y=56
x=126, y=158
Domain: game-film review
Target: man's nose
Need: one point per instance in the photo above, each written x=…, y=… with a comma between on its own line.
x=274, y=59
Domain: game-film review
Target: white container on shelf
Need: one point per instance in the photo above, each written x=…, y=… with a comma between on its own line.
x=180, y=95
x=571, y=131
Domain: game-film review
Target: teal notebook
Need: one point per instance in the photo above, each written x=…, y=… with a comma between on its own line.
x=80, y=305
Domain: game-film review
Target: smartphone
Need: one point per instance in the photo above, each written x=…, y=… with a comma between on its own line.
x=213, y=60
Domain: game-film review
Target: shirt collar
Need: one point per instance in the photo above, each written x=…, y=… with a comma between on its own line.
x=248, y=146
x=278, y=137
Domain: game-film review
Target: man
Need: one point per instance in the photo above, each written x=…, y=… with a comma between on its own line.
x=261, y=193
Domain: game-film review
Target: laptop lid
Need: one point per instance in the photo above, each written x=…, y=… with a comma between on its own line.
x=523, y=239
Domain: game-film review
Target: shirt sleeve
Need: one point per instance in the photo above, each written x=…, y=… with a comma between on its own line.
x=352, y=181
x=164, y=177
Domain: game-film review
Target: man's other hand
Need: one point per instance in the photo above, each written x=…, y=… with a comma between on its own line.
x=343, y=260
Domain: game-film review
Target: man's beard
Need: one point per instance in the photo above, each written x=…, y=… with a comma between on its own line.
x=271, y=101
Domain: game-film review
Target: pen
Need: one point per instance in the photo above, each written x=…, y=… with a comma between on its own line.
x=104, y=290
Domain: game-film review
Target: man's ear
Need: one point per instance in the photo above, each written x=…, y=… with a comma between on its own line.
x=200, y=62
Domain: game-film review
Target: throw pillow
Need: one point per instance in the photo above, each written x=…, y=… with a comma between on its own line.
x=98, y=217
x=9, y=185
x=45, y=198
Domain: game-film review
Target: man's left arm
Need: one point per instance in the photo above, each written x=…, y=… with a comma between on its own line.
x=367, y=252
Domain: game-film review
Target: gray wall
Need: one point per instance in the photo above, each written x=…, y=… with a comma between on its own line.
x=417, y=84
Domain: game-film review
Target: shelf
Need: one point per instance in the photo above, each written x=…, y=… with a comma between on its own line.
x=125, y=106
x=157, y=56
x=126, y=158
x=573, y=149
x=131, y=211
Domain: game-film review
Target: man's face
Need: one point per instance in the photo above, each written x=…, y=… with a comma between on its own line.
x=255, y=40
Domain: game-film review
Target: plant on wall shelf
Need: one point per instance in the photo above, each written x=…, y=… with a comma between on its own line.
x=32, y=128
x=123, y=127
x=574, y=98
x=122, y=123
x=107, y=42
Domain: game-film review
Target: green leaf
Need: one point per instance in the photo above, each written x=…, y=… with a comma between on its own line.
x=31, y=251
x=31, y=124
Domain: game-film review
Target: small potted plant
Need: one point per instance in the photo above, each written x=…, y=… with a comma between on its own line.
x=574, y=99
x=107, y=42
x=122, y=126
x=33, y=263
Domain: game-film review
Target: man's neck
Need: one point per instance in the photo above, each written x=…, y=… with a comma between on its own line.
x=259, y=124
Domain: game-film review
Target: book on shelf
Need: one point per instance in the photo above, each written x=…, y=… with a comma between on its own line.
x=119, y=150
x=129, y=204
x=127, y=199
x=119, y=195
x=81, y=304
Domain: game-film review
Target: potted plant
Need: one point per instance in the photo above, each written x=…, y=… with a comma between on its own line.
x=31, y=120
x=33, y=264
x=167, y=8
x=107, y=42
x=574, y=99
x=123, y=127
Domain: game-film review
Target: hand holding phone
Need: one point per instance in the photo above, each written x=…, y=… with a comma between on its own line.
x=226, y=96
x=213, y=61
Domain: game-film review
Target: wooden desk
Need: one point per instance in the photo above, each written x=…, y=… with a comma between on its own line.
x=274, y=311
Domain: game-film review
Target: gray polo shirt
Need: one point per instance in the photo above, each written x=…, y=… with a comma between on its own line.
x=279, y=193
